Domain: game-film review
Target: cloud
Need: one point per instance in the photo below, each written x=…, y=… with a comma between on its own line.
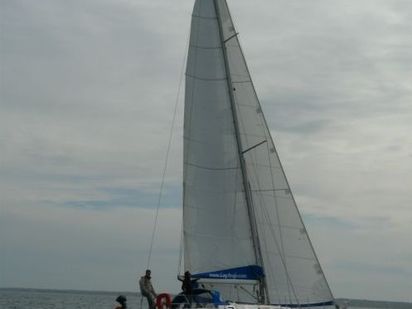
x=86, y=248
x=365, y=257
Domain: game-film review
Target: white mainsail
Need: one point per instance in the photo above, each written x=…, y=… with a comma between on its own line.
x=239, y=213
x=215, y=210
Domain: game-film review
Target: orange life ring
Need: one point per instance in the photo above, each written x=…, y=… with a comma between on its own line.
x=162, y=300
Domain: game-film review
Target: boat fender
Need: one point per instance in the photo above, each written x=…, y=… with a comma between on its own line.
x=163, y=300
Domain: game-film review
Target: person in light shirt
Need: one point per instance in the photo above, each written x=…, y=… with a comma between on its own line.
x=147, y=290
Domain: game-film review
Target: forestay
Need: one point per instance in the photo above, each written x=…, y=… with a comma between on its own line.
x=224, y=125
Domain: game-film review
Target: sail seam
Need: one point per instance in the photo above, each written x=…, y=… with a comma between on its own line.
x=269, y=167
x=194, y=140
x=222, y=193
x=247, y=105
x=212, y=168
x=204, y=17
x=242, y=82
x=212, y=235
x=205, y=78
x=281, y=226
x=243, y=133
x=205, y=47
x=292, y=257
x=274, y=196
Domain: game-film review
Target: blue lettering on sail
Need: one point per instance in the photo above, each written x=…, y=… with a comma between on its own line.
x=250, y=272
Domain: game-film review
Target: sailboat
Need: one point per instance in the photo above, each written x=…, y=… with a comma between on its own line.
x=243, y=235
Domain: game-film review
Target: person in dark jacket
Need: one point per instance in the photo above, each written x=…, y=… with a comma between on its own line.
x=188, y=284
x=122, y=301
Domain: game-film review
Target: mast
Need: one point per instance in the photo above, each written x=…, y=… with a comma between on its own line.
x=263, y=296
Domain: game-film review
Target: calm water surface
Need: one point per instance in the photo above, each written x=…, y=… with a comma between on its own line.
x=27, y=299
x=34, y=299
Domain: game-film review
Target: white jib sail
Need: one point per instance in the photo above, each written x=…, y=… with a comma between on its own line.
x=217, y=229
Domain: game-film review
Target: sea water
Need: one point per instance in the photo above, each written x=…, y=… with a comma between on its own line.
x=51, y=299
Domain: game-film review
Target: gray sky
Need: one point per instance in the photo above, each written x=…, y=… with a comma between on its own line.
x=87, y=95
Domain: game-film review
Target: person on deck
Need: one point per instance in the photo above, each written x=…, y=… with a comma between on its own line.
x=147, y=290
x=188, y=283
x=122, y=301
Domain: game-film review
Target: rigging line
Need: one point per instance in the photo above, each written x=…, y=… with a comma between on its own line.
x=262, y=205
x=167, y=158
x=282, y=257
x=253, y=158
x=255, y=163
x=282, y=254
x=271, y=139
x=179, y=265
x=263, y=288
x=267, y=216
x=247, y=292
x=252, y=219
x=284, y=175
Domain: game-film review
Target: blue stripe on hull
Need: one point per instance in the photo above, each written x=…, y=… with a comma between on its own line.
x=327, y=303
